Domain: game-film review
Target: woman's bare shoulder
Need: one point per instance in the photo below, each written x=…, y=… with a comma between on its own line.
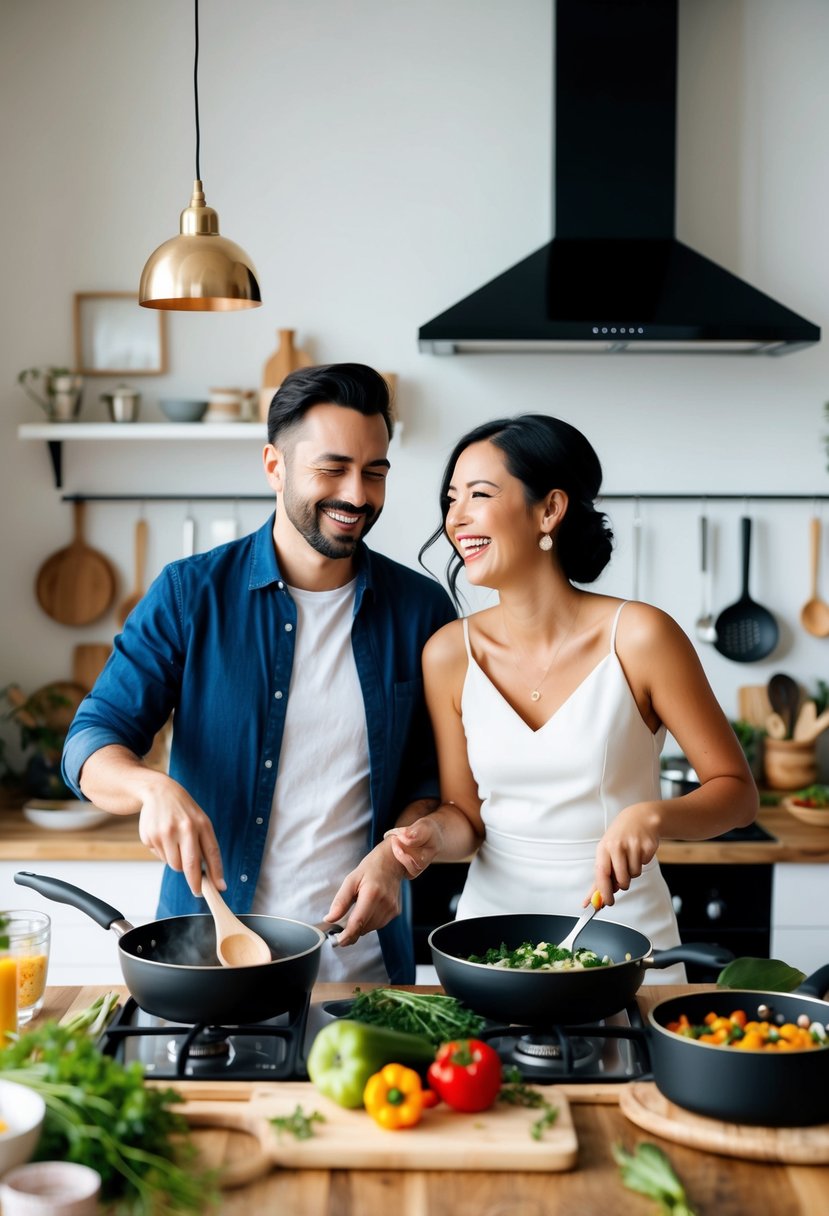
x=446, y=645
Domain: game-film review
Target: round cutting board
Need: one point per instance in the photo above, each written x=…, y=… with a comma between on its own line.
x=644, y=1105
x=76, y=585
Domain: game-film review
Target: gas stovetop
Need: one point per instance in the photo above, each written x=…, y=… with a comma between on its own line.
x=275, y=1050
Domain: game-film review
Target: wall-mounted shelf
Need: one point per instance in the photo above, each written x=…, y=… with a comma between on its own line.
x=54, y=433
x=706, y=498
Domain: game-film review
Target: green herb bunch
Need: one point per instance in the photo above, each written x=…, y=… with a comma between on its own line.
x=99, y=1113
x=437, y=1017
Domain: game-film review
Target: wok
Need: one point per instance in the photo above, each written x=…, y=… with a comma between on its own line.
x=767, y=1088
x=539, y=998
x=171, y=968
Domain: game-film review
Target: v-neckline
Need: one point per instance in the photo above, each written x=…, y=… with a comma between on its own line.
x=533, y=729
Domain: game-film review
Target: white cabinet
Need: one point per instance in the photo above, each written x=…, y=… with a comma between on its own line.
x=800, y=915
x=81, y=952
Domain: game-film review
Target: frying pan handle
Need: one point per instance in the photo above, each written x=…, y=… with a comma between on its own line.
x=816, y=984
x=64, y=893
x=707, y=954
x=330, y=931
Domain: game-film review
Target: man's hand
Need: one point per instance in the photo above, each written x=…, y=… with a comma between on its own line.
x=374, y=891
x=176, y=829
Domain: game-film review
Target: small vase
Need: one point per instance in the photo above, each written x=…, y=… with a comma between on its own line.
x=286, y=359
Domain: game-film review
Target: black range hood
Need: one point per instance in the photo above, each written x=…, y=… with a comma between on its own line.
x=615, y=278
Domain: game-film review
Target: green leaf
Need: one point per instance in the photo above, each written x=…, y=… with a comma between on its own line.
x=763, y=974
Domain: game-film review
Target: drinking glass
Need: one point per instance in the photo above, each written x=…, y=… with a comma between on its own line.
x=25, y=937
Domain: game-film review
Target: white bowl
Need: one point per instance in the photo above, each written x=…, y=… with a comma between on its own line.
x=22, y=1110
x=64, y=816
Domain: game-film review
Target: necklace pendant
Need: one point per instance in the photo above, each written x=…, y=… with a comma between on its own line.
x=535, y=695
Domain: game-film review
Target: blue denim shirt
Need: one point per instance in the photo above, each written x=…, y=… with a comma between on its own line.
x=212, y=641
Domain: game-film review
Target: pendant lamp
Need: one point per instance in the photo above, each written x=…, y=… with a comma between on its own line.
x=199, y=270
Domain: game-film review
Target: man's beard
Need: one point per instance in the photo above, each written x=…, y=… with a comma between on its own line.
x=305, y=516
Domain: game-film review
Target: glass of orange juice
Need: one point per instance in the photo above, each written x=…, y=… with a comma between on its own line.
x=24, y=938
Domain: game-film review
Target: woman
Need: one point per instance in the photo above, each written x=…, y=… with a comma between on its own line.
x=550, y=709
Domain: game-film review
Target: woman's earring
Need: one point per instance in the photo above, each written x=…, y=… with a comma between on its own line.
x=545, y=542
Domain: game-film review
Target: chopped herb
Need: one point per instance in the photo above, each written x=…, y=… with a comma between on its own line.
x=547, y=1120
x=649, y=1172
x=437, y=1017
x=542, y=957
x=298, y=1124
x=516, y=1092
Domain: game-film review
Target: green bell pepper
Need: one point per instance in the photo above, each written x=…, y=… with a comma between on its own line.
x=346, y=1053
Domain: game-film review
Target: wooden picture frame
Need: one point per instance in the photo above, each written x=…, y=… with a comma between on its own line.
x=114, y=336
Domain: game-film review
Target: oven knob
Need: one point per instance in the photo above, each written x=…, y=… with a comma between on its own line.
x=715, y=908
x=676, y=900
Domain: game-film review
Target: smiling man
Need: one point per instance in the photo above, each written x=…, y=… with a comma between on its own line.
x=291, y=661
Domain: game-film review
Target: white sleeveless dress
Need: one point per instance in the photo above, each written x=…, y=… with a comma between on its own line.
x=548, y=796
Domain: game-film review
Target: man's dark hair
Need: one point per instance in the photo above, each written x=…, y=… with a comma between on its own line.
x=352, y=385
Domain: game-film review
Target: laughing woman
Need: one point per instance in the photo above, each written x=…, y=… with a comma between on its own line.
x=550, y=709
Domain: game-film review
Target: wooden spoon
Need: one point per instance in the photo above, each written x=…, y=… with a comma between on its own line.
x=805, y=723
x=814, y=615
x=140, y=558
x=236, y=944
x=784, y=695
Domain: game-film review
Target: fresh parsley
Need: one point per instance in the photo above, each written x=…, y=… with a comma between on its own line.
x=648, y=1171
x=437, y=1017
x=298, y=1124
x=516, y=1092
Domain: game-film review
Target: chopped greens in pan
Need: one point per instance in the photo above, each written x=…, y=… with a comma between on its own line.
x=543, y=957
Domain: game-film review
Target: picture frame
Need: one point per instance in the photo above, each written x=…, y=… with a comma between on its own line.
x=114, y=336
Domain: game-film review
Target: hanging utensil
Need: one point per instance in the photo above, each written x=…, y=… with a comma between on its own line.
x=814, y=615
x=637, y=549
x=236, y=944
x=784, y=695
x=705, y=627
x=746, y=631
x=188, y=535
x=140, y=559
x=76, y=585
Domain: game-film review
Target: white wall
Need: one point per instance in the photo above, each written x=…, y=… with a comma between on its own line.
x=379, y=160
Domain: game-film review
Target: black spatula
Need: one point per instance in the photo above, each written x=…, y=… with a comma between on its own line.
x=746, y=632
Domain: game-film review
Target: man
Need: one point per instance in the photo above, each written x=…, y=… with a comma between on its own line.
x=291, y=660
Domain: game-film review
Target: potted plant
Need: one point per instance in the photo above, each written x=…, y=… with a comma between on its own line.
x=40, y=743
x=55, y=389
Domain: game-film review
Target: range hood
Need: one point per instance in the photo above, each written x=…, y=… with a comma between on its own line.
x=615, y=278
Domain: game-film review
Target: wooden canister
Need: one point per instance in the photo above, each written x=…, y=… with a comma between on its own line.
x=789, y=765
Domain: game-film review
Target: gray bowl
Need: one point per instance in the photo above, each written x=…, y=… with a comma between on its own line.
x=182, y=409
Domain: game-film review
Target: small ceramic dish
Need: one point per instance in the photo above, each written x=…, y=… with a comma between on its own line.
x=51, y=1188
x=182, y=409
x=816, y=816
x=21, y=1112
x=68, y=816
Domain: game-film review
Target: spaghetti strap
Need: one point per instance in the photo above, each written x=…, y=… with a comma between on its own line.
x=615, y=627
x=465, y=623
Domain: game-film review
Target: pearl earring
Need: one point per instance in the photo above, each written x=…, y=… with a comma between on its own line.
x=545, y=542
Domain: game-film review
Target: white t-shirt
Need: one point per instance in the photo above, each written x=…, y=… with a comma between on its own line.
x=320, y=822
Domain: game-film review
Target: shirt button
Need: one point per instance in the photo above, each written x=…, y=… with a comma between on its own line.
x=243, y=877
x=281, y=586
x=288, y=627
x=260, y=820
x=269, y=764
x=278, y=696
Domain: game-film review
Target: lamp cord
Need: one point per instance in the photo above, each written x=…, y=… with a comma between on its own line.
x=196, y=93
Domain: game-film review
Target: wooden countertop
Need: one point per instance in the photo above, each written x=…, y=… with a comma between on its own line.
x=118, y=841
x=715, y=1185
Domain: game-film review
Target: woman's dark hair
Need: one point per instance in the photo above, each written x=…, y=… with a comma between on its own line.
x=352, y=385
x=544, y=454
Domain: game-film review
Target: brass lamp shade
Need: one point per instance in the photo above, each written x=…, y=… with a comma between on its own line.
x=199, y=270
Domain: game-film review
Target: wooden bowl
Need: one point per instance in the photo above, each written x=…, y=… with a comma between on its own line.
x=816, y=816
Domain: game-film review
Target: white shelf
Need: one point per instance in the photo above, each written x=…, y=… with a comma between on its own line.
x=54, y=432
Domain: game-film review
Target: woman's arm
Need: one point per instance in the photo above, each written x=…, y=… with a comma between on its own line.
x=455, y=829
x=670, y=688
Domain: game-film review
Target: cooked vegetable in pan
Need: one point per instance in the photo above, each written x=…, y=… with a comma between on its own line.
x=543, y=957
x=737, y=1031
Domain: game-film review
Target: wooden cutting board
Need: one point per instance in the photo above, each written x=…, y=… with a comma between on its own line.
x=644, y=1105
x=753, y=705
x=76, y=585
x=497, y=1139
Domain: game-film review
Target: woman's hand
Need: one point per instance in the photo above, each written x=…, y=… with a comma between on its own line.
x=416, y=845
x=625, y=849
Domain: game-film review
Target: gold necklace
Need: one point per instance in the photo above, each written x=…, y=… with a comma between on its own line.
x=535, y=693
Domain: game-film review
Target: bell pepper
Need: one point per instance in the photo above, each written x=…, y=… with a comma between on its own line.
x=466, y=1074
x=395, y=1098
x=346, y=1053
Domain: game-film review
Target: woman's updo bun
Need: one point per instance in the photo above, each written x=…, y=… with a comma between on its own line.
x=584, y=542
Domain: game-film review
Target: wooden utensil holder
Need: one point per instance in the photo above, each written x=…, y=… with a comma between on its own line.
x=789, y=764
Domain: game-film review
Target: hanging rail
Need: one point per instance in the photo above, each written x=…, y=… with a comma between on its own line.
x=698, y=498
x=167, y=497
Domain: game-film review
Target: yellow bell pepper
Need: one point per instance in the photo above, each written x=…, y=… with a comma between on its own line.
x=395, y=1098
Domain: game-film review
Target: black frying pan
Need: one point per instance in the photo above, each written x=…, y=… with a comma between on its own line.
x=539, y=998
x=171, y=968
x=746, y=632
x=789, y=1089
